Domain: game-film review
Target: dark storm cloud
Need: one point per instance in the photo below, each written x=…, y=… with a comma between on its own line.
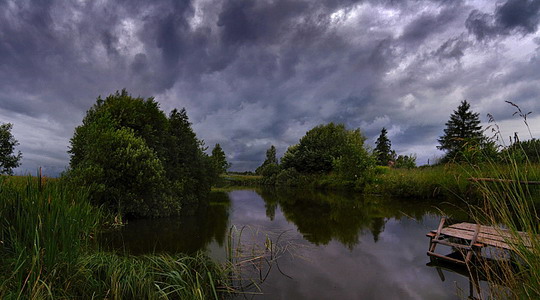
x=256, y=73
x=520, y=16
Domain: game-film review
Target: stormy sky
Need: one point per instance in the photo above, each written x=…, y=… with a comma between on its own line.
x=256, y=73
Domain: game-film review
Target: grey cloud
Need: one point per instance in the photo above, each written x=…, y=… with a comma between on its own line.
x=426, y=24
x=453, y=48
x=256, y=73
x=520, y=16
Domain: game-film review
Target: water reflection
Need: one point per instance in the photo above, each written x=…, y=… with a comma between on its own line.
x=350, y=247
x=186, y=234
x=323, y=217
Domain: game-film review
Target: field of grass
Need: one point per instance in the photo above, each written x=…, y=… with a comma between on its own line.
x=47, y=251
x=227, y=180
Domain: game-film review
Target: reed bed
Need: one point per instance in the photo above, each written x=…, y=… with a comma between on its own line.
x=510, y=203
x=47, y=251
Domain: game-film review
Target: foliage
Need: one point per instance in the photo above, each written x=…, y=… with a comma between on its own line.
x=442, y=181
x=383, y=149
x=46, y=231
x=219, y=159
x=463, y=134
x=8, y=160
x=43, y=231
x=355, y=163
x=523, y=151
x=136, y=161
x=405, y=162
x=270, y=159
x=319, y=149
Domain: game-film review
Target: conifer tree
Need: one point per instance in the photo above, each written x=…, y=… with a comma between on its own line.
x=383, y=149
x=463, y=131
x=220, y=160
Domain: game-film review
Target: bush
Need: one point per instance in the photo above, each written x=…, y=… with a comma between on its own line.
x=138, y=162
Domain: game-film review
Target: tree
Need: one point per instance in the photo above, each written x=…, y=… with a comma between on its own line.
x=136, y=161
x=271, y=159
x=220, y=160
x=405, y=162
x=328, y=148
x=383, y=149
x=463, y=134
x=317, y=150
x=8, y=160
x=354, y=162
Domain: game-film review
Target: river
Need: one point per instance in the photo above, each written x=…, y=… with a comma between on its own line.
x=311, y=245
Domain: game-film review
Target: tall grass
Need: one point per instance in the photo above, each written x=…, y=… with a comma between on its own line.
x=43, y=230
x=510, y=204
x=46, y=236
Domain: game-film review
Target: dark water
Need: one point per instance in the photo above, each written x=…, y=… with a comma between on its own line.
x=325, y=245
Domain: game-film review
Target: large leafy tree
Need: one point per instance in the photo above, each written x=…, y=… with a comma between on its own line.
x=135, y=160
x=383, y=149
x=326, y=148
x=8, y=159
x=462, y=134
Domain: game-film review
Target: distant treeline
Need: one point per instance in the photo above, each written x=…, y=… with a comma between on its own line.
x=331, y=156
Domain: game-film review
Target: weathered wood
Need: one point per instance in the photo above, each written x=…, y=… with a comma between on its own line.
x=473, y=240
x=430, y=253
x=474, y=237
x=503, y=180
x=455, y=245
x=437, y=235
x=488, y=235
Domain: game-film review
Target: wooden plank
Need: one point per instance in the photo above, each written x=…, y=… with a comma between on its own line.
x=456, y=245
x=486, y=239
x=475, y=236
x=496, y=234
x=467, y=235
x=430, y=253
x=488, y=229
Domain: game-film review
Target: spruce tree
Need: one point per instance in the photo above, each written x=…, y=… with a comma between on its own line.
x=383, y=149
x=220, y=160
x=463, y=131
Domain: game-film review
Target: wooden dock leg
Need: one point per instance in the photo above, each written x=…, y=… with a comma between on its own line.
x=473, y=241
x=432, y=245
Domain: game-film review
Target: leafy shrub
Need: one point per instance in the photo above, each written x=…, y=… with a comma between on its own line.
x=138, y=162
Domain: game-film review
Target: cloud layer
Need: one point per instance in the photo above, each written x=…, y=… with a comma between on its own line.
x=256, y=73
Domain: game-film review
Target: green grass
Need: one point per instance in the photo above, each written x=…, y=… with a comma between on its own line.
x=227, y=180
x=511, y=204
x=47, y=234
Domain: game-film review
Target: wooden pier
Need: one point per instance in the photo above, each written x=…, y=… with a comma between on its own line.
x=470, y=238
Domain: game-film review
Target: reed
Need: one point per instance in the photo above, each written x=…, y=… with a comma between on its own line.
x=44, y=229
x=511, y=203
x=47, y=251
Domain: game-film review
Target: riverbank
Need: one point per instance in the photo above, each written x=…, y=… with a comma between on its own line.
x=443, y=182
x=48, y=251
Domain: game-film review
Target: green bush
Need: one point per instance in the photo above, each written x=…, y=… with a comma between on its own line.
x=138, y=162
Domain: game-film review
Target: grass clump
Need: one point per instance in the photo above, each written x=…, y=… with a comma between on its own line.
x=47, y=251
x=511, y=203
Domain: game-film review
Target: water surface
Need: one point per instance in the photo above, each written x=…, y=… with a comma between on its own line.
x=340, y=246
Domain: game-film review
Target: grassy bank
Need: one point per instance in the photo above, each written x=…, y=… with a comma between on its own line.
x=228, y=180
x=512, y=203
x=46, y=235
